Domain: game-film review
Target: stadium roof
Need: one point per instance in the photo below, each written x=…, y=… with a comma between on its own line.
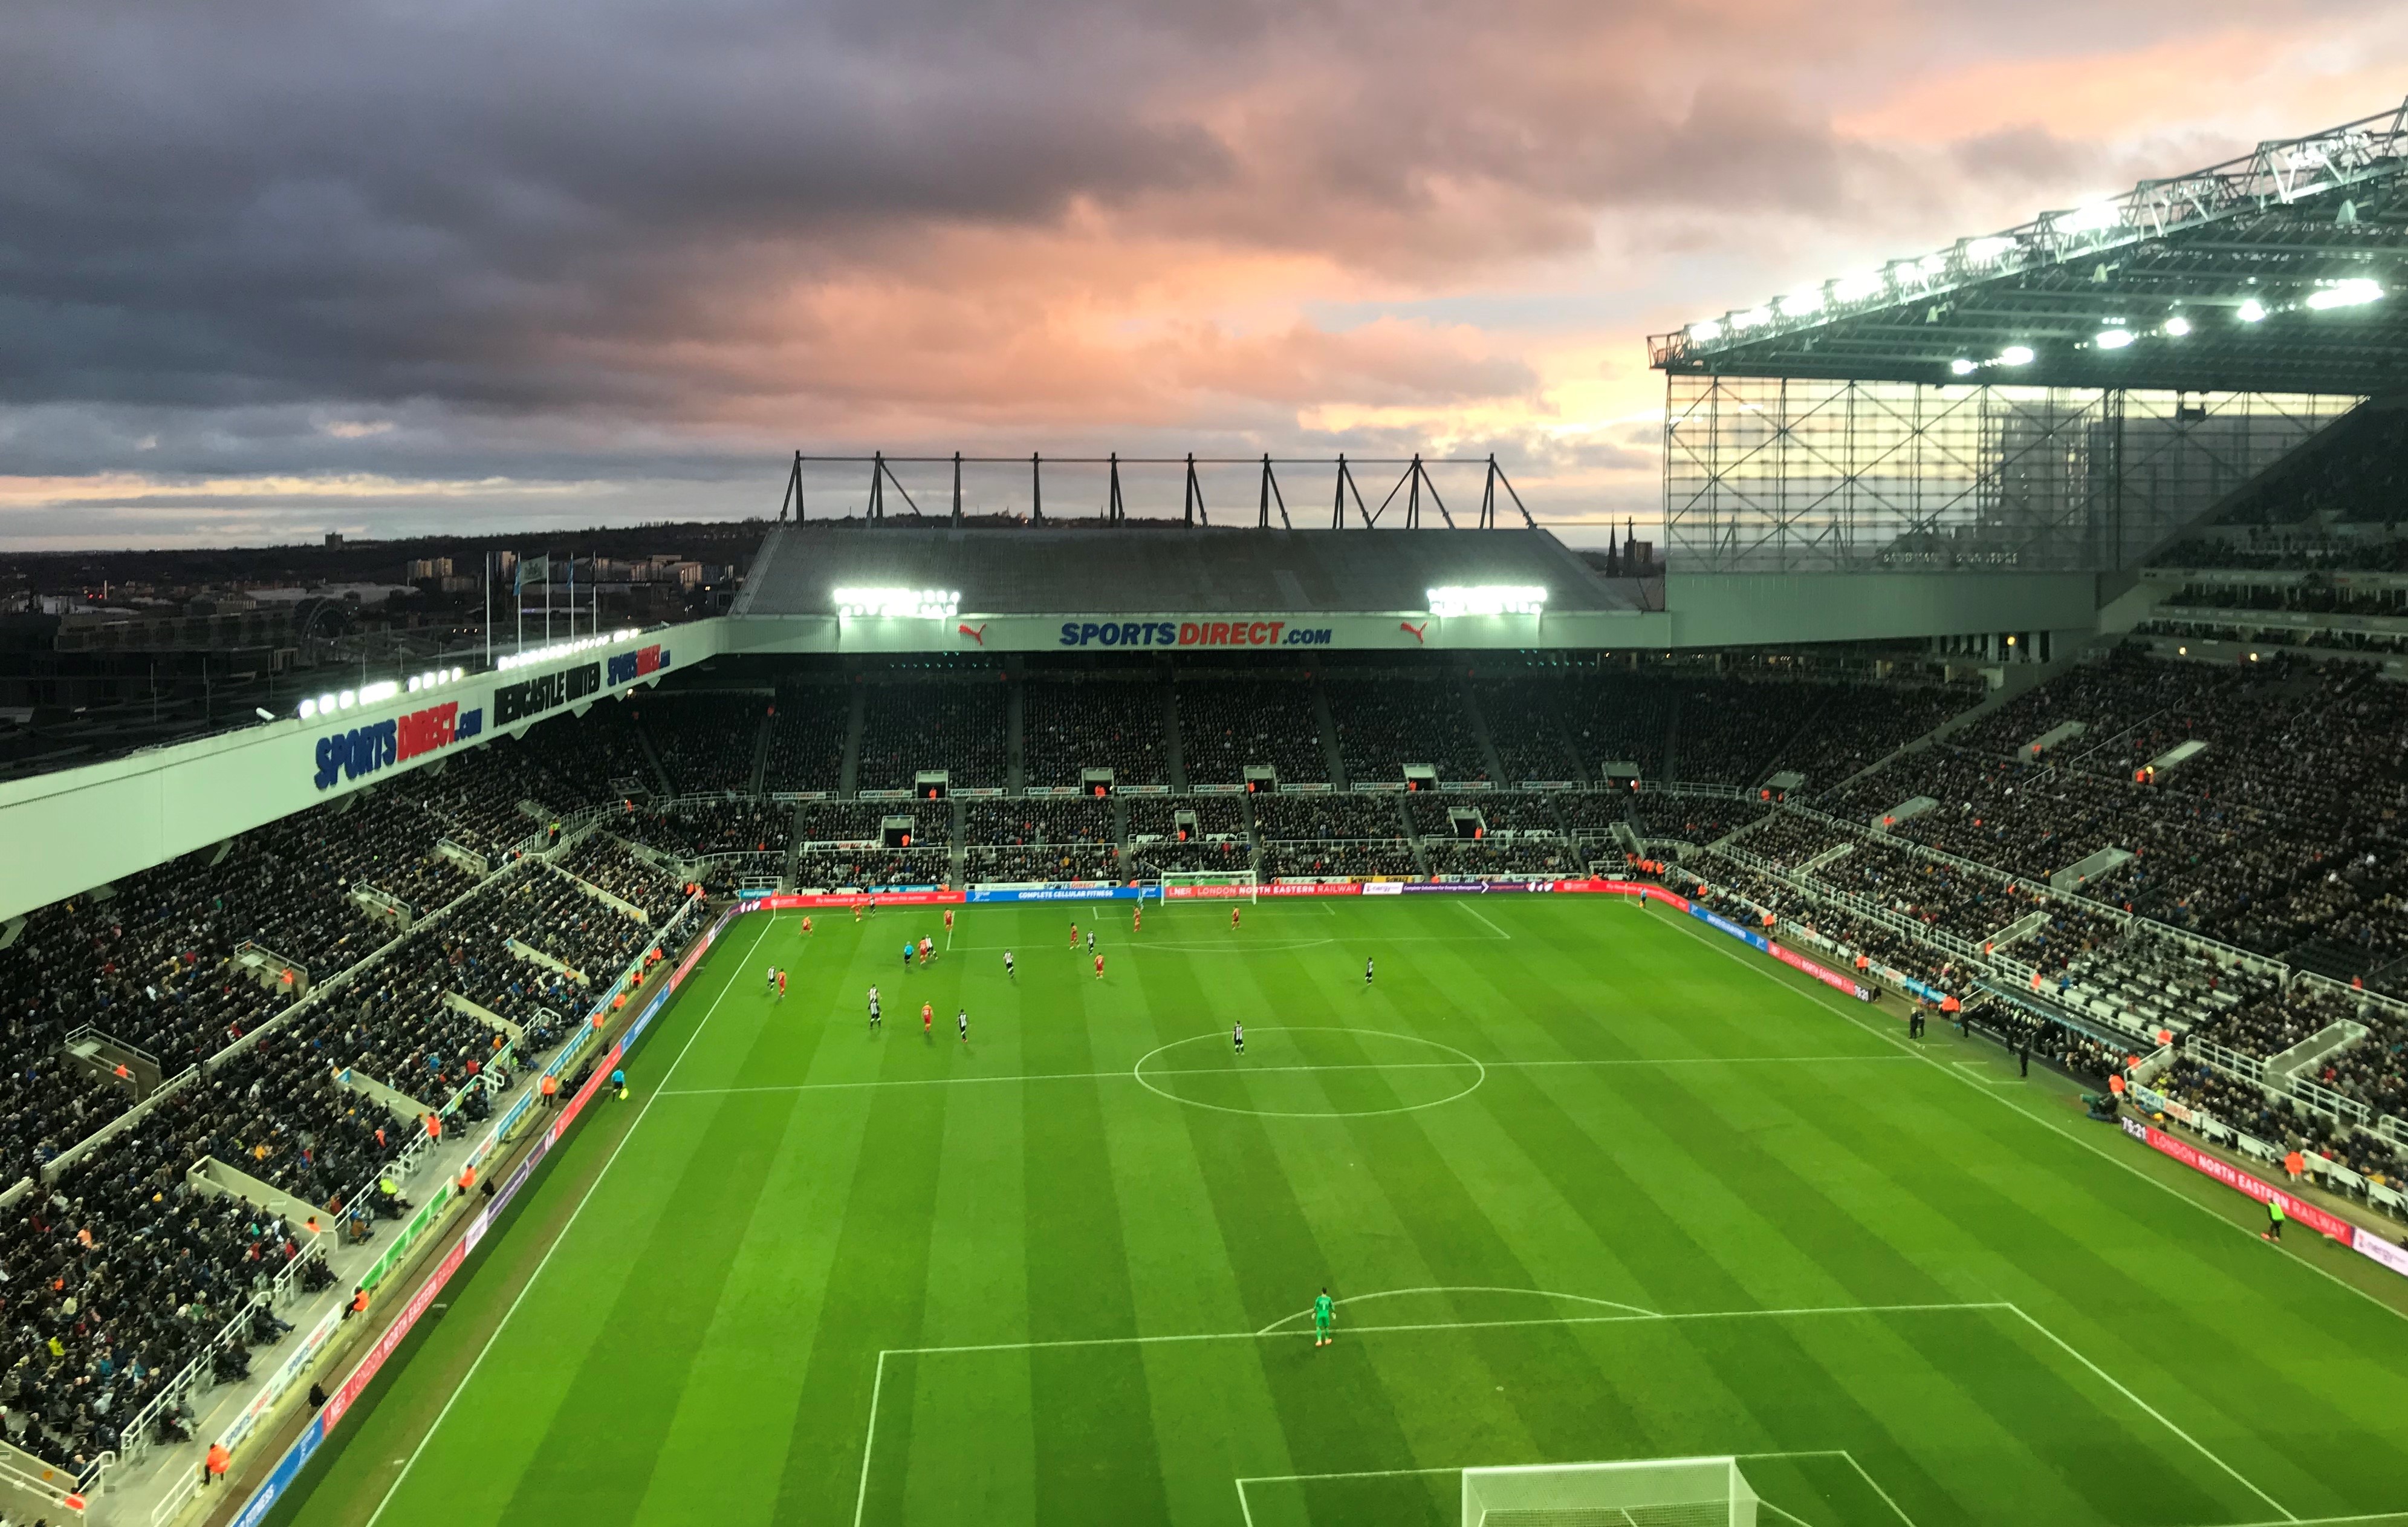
x=1137, y=571
x=2279, y=271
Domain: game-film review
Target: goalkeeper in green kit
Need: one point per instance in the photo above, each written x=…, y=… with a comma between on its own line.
x=1324, y=1316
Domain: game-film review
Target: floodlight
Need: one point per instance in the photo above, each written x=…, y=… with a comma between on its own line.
x=1486, y=600
x=1962, y=366
x=1751, y=318
x=1991, y=250
x=2177, y=325
x=1707, y=332
x=2089, y=217
x=2250, y=310
x=2353, y=293
x=2015, y=355
x=1856, y=288
x=1932, y=267
x=309, y=709
x=1803, y=304
x=347, y=698
x=897, y=603
x=2112, y=339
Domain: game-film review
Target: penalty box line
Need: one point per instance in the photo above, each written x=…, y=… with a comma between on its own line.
x=1246, y=1507
x=878, y=1384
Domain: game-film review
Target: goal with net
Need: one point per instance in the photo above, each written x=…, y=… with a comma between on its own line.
x=1640, y=1492
x=1219, y=887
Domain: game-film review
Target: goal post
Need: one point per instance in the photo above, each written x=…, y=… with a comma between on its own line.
x=1225, y=886
x=1640, y=1492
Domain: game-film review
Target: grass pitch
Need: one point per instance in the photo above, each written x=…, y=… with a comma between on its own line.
x=1588, y=1181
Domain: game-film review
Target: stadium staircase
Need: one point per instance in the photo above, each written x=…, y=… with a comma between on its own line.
x=1328, y=725
x=848, y=779
x=1488, y=754
x=761, y=750
x=1015, y=737
x=1174, y=762
x=652, y=761
x=957, y=851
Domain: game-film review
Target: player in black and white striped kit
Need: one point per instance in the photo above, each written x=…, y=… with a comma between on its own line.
x=875, y=1017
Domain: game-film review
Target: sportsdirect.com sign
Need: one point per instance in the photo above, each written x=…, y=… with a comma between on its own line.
x=1192, y=633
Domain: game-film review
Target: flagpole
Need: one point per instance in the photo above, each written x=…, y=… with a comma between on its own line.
x=518, y=596
x=572, y=595
x=489, y=607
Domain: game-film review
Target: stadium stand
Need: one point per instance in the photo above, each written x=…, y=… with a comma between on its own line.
x=1228, y=725
x=1384, y=725
x=707, y=741
x=962, y=728
x=1114, y=724
x=1523, y=715
x=1218, y=843
x=806, y=738
x=1316, y=836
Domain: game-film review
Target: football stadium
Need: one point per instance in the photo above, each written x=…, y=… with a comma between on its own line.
x=1328, y=1003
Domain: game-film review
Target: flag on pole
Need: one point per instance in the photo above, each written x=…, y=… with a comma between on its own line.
x=533, y=569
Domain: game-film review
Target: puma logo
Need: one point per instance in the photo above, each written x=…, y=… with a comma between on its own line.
x=1415, y=631
x=976, y=633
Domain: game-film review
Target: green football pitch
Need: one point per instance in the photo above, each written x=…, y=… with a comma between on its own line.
x=1587, y=1181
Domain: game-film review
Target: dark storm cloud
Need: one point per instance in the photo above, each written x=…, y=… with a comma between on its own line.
x=532, y=205
x=664, y=242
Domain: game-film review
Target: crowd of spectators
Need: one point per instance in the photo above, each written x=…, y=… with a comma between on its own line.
x=708, y=741
x=1322, y=859
x=962, y=728
x=602, y=860
x=1217, y=842
x=1731, y=730
x=1499, y=811
x=867, y=865
x=1327, y=818
x=694, y=829
x=1386, y=725
x=1312, y=836
x=1615, y=718
x=1069, y=725
x=584, y=759
x=1698, y=819
x=1227, y=725
x=1038, y=820
x=1523, y=716
x=1486, y=858
x=806, y=738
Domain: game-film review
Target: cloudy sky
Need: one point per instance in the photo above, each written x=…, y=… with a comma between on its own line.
x=269, y=267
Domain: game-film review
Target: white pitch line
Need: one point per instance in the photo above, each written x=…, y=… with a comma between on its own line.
x=1248, y=1070
x=535, y=1277
x=1484, y=919
x=2153, y=1413
x=1675, y=1316
x=1459, y=1289
x=868, y=1441
x=2112, y=1158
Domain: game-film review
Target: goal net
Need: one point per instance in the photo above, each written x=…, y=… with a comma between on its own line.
x=1219, y=887
x=1642, y=1492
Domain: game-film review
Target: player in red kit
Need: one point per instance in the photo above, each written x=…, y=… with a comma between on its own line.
x=1100, y=967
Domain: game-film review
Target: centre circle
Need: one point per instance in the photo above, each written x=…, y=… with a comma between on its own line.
x=1310, y=1072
